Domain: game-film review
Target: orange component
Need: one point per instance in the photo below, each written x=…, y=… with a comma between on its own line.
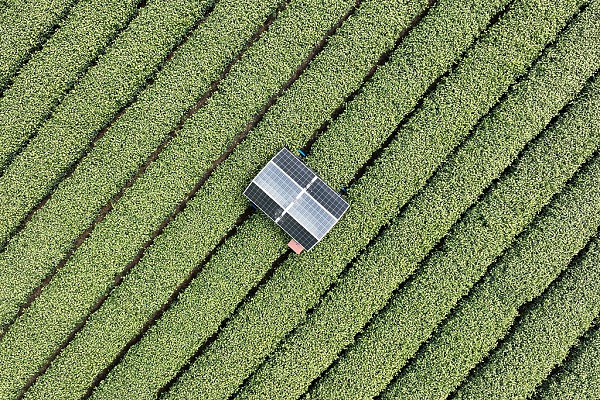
x=295, y=246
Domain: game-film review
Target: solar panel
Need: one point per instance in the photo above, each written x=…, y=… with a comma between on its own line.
x=296, y=199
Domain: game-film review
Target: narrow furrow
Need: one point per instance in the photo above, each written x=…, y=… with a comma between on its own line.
x=407, y=320
x=83, y=200
x=490, y=149
x=135, y=57
x=543, y=334
x=26, y=25
x=307, y=92
x=579, y=376
x=241, y=220
x=150, y=201
x=297, y=284
x=522, y=273
x=42, y=83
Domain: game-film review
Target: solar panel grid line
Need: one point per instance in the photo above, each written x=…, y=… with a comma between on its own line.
x=312, y=216
x=297, y=231
x=293, y=167
x=335, y=204
x=263, y=201
x=303, y=189
x=280, y=187
x=296, y=199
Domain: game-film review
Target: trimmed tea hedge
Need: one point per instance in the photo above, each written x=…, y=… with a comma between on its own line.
x=422, y=303
x=120, y=74
x=543, y=335
x=26, y=25
x=30, y=256
x=185, y=152
x=579, y=376
x=44, y=80
x=422, y=144
x=555, y=80
x=522, y=273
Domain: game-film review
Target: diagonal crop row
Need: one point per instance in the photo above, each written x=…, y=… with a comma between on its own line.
x=152, y=198
x=49, y=74
x=543, y=334
x=482, y=317
x=418, y=306
x=147, y=125
x=25, y=26
x=225, y=279
x=420, y=59
x=121, y=73
x=157, y=179
x=445, y=118
x=455, y=186
x=144, y=365
x=579, y=376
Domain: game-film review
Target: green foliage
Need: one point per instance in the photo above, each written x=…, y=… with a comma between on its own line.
x=522, y=273
x=421, y=146
x=555, y=80
x=43, y=81
x=421, y=304
x=579, y=377
x=115, y=158
x=25, y=25
x=543, y=335
x=117, y=78
x=428, y=51
x=116, y=240
x=144, y=364
x=232, y=271
x=184, y=153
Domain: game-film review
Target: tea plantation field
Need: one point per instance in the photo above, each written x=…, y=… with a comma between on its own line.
x=466, y=134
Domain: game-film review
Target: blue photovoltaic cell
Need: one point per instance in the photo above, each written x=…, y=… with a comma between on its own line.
x=294, y=167
x=329, y=199
x=263, y=201
x=296, y=199
x=277, y=185
x=295, y=230
x=312, y=216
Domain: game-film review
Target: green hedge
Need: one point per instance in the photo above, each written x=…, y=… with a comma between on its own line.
x=179, y=164
x=422, y=144
x=120, y=74
x=30, y=256
x=143, y=365
x=26, y=25
x=522, y=273
x=429, y=50
x=543, y=335
x=232, y=271
x=579, y=377
x=407, y=321
x=311, y=348
x=117, y=239
x=43, y=81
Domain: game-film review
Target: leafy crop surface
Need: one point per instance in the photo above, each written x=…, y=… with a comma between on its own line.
x=25, y=25
x=418, y=306
x=579, y=376
x=134, y=57
x=43, y=81
x=465, y=132
x=79, y=198
x=522, y=273
x=496, y=140
x=525, y=357
x=174, y=155
x=296, y=285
